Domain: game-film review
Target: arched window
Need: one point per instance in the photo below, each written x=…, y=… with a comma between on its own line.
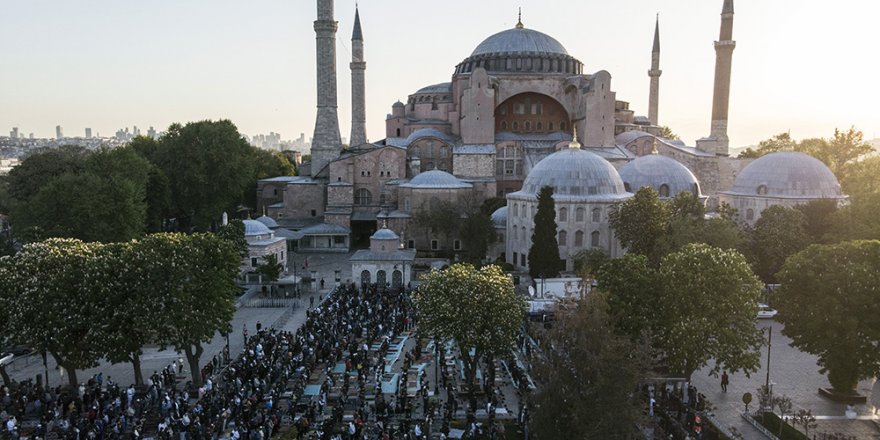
x=594, y=239
x=524, y=236
x=504, y=125
x=562, y=126
x=398, y=132
x=528, y=126
x=579, y=238
x=664, y=190
x=549, y=126
x=597, y=214
x=515, y=209
x=762, y=190
x=562, y=240
x=363, y=197
x=539, y=126
x=579, y=215
x=444, y=151
x=750, y=214
x=563, y=214
x=515, y=125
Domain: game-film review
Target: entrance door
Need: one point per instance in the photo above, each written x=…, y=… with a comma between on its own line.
x=365, y=278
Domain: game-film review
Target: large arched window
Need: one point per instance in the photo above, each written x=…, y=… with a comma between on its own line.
x=579, y=238
x=563, y=214
x=562, y=240
x=579, y=215
x=594, y=239
x=597, y=214
x=750, y=214
x=363, y=197
x=528, y=112
x=515, y=209
x=762, y=190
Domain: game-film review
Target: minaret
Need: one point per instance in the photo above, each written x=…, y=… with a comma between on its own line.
x=654, y=74
x=326, y=144
x=358, y=98
x=721, y=98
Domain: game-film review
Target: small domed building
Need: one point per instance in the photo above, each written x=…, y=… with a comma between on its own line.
x=499, y=222
x=665, y=175
x=385, y=263
x=262, y=242
x=584, y=188
x=780, y=179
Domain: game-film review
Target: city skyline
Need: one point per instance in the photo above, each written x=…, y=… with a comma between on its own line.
x=255, y=64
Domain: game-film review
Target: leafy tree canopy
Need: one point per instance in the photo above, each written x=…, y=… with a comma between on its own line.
x=640, y=221
x=778, y=234
x=828, y=305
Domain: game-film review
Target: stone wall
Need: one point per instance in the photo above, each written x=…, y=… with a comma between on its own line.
x=303, y=201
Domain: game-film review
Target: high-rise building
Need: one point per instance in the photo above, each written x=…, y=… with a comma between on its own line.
x=88, y=133
x=151, y=133
x=59, y=132
x=14, y=133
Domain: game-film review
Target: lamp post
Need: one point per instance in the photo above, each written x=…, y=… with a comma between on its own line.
x=769, y=345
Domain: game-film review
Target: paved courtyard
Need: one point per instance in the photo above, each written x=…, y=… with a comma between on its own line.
x=794, y=374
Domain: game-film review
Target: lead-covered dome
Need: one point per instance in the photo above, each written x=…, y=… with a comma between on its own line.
x=435, y=179
x=384, y=234
x=519, y=40
x=520, y=51
x=787, y=175
x=268, y=221
x=666, y=175
x=499, y=217
x=575, y=173
x=253, y=228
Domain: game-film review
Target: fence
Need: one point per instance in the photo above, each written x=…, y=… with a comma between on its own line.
x=287, y=303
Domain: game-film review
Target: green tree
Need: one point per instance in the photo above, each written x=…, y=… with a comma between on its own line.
x=667, y=133
x=41, y=167
x=588, y=261
x=122, y=276
x=640, y=222
x=439, y=217
x=827, y=303
x=845, y=148
x=8, y=291
x=779, y=233
x=234, y=232
x=196, y=280
x=270, y=268
x=862, y=178
x=56, y=307
x=859, y=220
x=633, y=293
x=265, y=164
x=208, y=165
x=706, y=311
x=544, y=260
x=476, y=308
x=492, y=204
x=587, y=373
x=818, y=216
x=477, y=232
x=779, y=142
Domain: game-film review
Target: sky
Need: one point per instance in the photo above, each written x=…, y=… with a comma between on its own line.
x=804, y=66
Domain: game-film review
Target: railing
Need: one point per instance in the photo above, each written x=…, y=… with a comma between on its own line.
x=272, y=303
x=759, y=426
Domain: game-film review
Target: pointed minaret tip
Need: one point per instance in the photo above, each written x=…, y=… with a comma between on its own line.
x=657, y=35
x=728, y=7
x=356, y=34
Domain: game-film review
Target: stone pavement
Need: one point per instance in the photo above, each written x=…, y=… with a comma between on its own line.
x=792, y=373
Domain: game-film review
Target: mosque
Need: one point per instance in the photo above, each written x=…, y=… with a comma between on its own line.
x=518, y=113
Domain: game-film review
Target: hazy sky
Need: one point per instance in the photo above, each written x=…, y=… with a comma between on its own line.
x=802, y=65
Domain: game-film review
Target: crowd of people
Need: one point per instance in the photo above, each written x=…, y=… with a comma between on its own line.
x=243, y=401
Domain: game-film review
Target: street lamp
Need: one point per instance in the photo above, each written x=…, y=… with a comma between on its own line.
x=769, y=345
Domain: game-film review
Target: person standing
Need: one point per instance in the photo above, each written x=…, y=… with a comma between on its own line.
x=725, y=380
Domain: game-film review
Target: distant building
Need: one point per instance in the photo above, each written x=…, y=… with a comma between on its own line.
x=88, y=133
x=59, y=132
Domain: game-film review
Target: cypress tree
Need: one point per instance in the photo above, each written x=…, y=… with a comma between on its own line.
x=544, y=258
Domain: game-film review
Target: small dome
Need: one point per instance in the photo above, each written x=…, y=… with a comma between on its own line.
x=384, y=234
x=436, y=88
x=268, y=221
x=254, y=228
x=787, y=175
x=499, y=217
x=575, y=173
x=656, y=171
x=435, y=179
x=398, y=104
x=519, y=40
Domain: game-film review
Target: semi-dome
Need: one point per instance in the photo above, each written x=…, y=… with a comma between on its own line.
x=268, y=221
x=436, y=88
x=575, y=173
x=435, y=179
x=499, y=217
x=787, y=175
x=666, y=175
x=384, y=234
x=519, y=40
x=253, y=228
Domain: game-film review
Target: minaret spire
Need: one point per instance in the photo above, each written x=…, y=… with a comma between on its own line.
x=654, y=74
x=519, y=23
x=326, y=143
x=718, y=142
x=358, y=89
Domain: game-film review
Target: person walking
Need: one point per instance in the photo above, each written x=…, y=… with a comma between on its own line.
x=725, y=380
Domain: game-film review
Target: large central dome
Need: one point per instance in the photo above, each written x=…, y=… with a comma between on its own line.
x=520, y=40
